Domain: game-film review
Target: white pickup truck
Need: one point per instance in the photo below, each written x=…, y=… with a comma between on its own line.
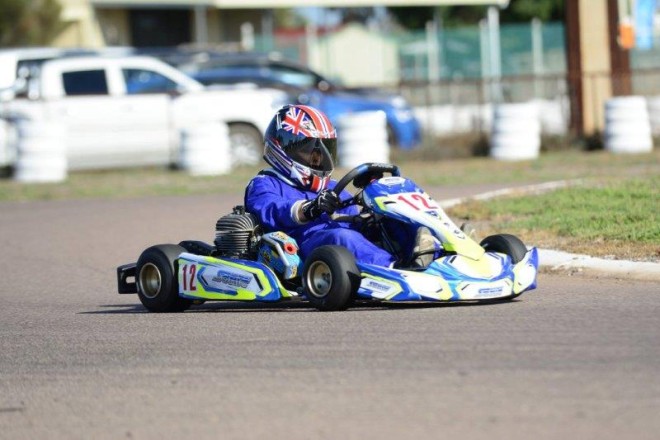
x=130, y=111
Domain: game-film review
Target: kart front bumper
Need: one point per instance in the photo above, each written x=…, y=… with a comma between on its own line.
x=124, y=275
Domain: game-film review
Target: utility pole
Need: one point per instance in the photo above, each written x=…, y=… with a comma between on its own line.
x=619, y=55
x=598, y=67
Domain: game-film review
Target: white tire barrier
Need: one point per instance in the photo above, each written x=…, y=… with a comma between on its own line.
x=205, y=149
x=362, y=138
x=41, y=155
x=654, y=114
x=4, y=143
x=442, y=120
x=554, y=116
x=516, y=132
x=627, y=125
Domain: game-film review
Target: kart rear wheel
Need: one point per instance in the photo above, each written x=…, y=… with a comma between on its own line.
x=505, y=244
x=330, y=278
x=156, y=279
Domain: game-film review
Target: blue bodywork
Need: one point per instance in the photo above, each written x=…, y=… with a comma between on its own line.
x=442, y=268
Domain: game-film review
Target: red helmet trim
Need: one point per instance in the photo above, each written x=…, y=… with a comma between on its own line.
x=318, y=183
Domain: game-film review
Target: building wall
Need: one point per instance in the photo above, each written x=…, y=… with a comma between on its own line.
x=230, y=21
x=109, y=25
x=84, y=29
x=115, y=26
x=356, y=56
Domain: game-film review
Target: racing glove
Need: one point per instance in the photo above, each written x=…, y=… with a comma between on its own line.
x=327, y=201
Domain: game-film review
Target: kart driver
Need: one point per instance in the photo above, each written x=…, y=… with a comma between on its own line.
x=296, y=194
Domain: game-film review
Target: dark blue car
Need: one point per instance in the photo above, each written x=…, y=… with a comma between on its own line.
x=309, y=88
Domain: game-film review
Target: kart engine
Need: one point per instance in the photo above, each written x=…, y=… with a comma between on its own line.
x=237, y=234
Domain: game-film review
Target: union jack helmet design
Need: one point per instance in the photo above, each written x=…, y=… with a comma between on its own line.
x=301, y=144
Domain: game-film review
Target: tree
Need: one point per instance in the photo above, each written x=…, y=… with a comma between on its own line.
x=518, y=11
x=412, y=17
x=30, y=22
x=288, y=18
x=355, y=15
x=525, y=10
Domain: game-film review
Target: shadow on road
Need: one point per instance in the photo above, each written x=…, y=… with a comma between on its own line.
x=290, y=306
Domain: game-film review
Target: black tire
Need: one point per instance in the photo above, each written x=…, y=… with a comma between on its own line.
x=157, y=280
x=506, y=244
x=330, y=278
x=246, y=143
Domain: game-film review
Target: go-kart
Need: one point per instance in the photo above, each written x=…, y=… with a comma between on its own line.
x=246, y=264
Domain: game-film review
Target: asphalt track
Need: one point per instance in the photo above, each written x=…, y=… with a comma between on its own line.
x=577, y=358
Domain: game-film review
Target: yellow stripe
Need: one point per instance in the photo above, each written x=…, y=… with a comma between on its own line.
x=393, y=283
x=243, y=294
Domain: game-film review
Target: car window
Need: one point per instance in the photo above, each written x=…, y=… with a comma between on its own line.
x=293, y=77
x=257, y=72
x=140, y=81
x=28, y=70
x=85, y=82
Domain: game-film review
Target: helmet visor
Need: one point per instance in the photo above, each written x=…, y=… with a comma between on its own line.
x=318, y=154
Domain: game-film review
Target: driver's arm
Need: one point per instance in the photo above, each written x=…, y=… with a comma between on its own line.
x=274, y=204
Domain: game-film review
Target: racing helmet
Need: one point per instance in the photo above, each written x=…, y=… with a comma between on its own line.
x=301, y=144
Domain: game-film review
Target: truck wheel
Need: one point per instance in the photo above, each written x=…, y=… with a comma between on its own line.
x=156, y=279
x=506, y=244
x=247, y=144
x=330, y=278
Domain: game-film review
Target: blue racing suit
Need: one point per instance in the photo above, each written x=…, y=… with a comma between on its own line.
x=274, y=201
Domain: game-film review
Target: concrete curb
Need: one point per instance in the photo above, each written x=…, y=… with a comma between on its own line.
x=563, y=261
x=566, y=262
x=522, y=190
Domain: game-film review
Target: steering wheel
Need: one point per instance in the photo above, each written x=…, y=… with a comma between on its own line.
x=362, y=175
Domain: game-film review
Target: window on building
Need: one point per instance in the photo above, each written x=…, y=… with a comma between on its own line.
x=160, y=27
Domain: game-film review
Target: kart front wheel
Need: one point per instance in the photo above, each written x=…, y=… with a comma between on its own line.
x=156, y=279
x=509, y=245
x=330, y=278
x=505, y=244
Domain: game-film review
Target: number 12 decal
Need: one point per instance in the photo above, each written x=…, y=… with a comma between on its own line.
x=417, y=201
x=189, y=278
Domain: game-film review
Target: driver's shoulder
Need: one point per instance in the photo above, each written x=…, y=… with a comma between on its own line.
x=272, y=185
x=262, y=182
x=267, y=176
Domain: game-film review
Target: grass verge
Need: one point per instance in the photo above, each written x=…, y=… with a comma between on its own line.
x=140, y=182
x=618, y=218
x=614, y=214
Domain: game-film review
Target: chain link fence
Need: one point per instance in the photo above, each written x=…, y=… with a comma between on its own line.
x=448, y=75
